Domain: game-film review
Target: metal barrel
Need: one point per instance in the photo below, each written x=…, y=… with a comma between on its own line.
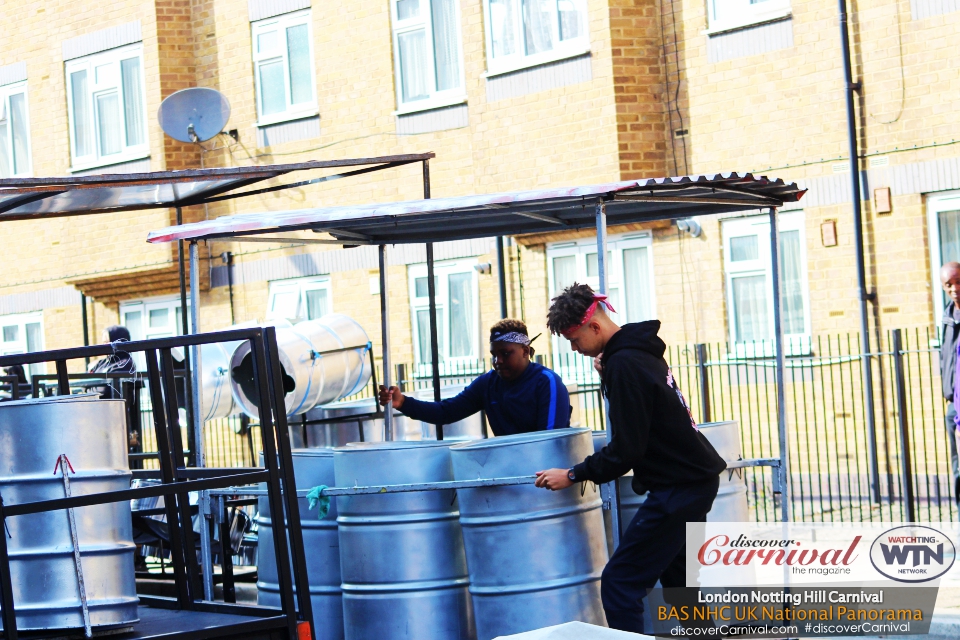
x=470, y=428
x=629, y=500
x=402, y=558
x=93, y=435
x=535, y=556
x=345, y=421
x=311, y=467
x=730, y=505
x=322, y=361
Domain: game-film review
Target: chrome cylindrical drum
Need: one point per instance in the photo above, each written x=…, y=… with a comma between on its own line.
x=216, y=397
x=93, y=435
x=342, y=423
x=535, y=556
x=629, y=500
x=322, y=361
x=311, y=467
x=470, y=428
x=401, y=554
x=730, y=504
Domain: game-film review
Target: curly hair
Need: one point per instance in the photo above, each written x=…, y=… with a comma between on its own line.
x=509, y=325
x=567, y=309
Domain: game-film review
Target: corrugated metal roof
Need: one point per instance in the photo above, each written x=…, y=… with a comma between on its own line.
x=507, y=214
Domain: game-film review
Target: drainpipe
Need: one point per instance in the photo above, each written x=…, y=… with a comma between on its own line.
x=850, y=89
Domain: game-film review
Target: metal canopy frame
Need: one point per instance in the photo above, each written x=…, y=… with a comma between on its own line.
x=517, y=213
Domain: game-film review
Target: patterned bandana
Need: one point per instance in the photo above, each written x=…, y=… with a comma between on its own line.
x=512, y=336
x=598, y=298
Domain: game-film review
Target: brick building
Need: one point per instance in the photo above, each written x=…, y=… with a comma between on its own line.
x=510, y=95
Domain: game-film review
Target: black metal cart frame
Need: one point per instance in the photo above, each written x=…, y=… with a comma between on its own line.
x=178, y=480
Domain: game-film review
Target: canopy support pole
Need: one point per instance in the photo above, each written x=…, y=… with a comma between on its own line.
x=502, y=276
x=775, y=268
x=185, y=330
x=388, y=434
x=612, y=488
x=86, y=325
x=432, y=295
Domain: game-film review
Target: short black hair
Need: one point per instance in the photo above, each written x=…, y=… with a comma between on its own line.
x=567, y=309
x=508, y=325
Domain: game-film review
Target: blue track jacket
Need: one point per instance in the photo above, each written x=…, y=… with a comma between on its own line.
x=536, y=401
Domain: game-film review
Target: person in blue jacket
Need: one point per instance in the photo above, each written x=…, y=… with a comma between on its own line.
x=518, y=395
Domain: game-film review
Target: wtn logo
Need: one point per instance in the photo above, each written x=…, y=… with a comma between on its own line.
x=897, y=554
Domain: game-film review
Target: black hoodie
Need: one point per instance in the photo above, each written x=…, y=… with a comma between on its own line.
x=653, y=431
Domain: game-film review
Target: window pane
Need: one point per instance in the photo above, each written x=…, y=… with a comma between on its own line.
x=267, y=42
x=413, y=65
x=564, y=273
x=284, y=304
x=316, y=303
x=298, y=54
x=791, y=283
x=272, y=98
x=34, y=337
x=132, y=100
x=18, y=126
x=538, y=25
x=133, y=321
x=108, y=120
x=158, y=318
x=408, y=9
x=11, y=333
x=104, y=75
x=178, y=322
x=5, y=165
x=744, y=248
x=593, y=268
x=636, y=274
x=420, y=286
x=82, y=136
x=423, y=334
x=503, y=27
x=949, y=241
x=570, y=23
x=750, y=308
x=445, y=56
x=461, y=315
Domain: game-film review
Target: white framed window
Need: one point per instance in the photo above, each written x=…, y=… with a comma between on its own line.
x=22, y=333
x=106, y=104
x=727, y=15
x=427, y=54
x=629, y=284
x=458, y=315
x=283, y=68
x=299, y=299
x=152, y=318
x=524, y=33
x=749, y=283
x=943, y=223
x=14, y=131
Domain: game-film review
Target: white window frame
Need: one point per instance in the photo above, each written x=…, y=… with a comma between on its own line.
x=281, y=23
x=442, y=272
x=437, y=98
x=937, y=204
x=796, y=344
x=616, y=279
x=520, y=60
x=6, y=92
x=90, y=63
x=300, y=287
x=145, y=306
x=729, y=15
x=21, y=320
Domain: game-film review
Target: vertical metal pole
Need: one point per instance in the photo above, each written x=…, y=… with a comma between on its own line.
x=6, y=583
x=613, y=488
x=855, y=196
x=229, y=261
x=906, y=464
x=185, y=330
x=502, y=277
x=206, y=550
x=778, y=345
x=86, y=326
x=385, y=340
x=432, y=296
x=705, y=412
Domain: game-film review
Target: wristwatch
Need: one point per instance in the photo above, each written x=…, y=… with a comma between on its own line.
x=571, y=475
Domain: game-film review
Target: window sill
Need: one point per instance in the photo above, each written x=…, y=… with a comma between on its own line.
x=103, y=162
x=280, y=118
x=535, y=61
x=430, y=104
x=746, y=22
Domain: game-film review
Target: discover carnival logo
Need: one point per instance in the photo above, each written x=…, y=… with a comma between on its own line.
x=912, y=553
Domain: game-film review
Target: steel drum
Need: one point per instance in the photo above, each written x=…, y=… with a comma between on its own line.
x=629, y=500
x=470, y=428
x=730, y=504
x=535, y=556
x=341, y=433
x=311, y=467
x=402, y=558
x=93, y=435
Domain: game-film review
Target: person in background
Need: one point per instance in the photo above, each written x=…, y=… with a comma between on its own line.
x=119, y=361
x=655, y=435
x=517, y=396
x=949, y=342
x=21, y=375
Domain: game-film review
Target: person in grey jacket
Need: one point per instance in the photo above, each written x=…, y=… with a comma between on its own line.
x=950, y=279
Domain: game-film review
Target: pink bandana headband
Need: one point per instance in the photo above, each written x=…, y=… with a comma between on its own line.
x=598, y=298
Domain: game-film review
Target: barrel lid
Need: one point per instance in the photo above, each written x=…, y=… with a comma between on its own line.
x=79, y=397
x=355, y=447
x=312, y=452
x=520, y=438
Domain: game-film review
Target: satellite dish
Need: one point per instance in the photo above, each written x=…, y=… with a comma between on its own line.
x=194, y=115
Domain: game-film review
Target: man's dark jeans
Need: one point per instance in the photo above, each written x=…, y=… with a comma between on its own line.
x=951, y=425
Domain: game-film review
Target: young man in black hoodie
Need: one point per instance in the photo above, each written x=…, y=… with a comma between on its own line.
x=655, y=435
